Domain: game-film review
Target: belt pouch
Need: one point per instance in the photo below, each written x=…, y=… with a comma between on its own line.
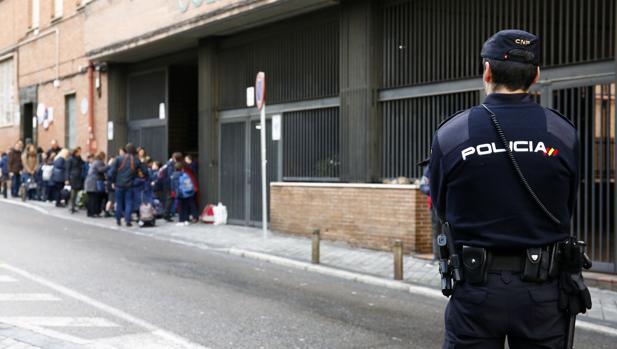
x=544, y=266
x=475, y=263
x=531, y=269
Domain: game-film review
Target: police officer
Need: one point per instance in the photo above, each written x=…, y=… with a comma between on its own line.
x=506, y=236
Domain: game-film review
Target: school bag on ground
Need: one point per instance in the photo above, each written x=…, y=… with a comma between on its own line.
x=207, y=216
x=186, y=189
x=159, y=210
x=146, y=215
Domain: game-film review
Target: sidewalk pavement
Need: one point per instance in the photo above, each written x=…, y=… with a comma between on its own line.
x=337, y=255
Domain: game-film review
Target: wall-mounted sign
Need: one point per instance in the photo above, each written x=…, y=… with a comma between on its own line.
x=40, y=110
x=50, y=114
x=250, y=96
x=84, y=105
x=110, y=131
x=162, y=111
x=276, y=127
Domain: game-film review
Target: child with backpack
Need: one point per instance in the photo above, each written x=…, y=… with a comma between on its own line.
x=185, y=188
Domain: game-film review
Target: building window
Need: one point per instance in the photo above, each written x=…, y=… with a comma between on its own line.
x=36, y=13
x=311, y=145
x=58, y=8
x=7, y=85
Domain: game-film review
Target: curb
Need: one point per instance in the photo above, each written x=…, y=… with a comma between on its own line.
x=315, y=268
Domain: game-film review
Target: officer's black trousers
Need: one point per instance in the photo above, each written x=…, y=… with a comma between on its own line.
x=526, y=313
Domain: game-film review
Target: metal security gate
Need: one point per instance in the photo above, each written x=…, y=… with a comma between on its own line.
x=233, y=170
x=147, y=95
x=240, y=176
x=592, y=109
x=152, y=138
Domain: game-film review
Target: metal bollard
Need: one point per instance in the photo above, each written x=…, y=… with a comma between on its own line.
x=397, y=250
x=315, y=249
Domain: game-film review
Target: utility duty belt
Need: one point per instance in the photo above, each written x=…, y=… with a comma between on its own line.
x=536, y=264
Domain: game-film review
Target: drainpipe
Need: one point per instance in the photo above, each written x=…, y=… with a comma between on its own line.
x=91, y=138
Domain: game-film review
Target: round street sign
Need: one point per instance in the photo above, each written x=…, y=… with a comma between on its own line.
x=260, y=90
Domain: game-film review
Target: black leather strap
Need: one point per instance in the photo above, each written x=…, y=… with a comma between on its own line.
x=513, y=263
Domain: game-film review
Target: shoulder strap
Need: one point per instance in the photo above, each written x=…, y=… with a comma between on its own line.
x=517, y=168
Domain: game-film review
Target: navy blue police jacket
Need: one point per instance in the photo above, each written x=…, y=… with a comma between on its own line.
x=475, y=188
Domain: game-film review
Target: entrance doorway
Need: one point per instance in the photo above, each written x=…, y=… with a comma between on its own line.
x=162, y=110
x=27, y=123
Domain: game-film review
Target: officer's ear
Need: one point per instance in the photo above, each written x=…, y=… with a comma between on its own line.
x=537, y=78
x=487, y=76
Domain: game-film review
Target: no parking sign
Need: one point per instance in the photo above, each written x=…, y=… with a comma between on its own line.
x=260, y=90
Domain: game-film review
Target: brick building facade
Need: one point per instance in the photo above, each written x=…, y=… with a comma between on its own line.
x=43, y=42
x=356, y=87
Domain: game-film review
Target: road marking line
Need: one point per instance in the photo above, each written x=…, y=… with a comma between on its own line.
x=57, y=321
x=185, y=343
x=596, y=328
x=6, y=278
x=28, y=297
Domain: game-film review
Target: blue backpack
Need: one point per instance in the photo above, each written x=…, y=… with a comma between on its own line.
x=186, y=189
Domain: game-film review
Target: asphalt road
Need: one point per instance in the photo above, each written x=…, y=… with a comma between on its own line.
x=134, y=286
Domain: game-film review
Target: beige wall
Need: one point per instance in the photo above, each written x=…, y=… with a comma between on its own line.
x=41, y=57
x=369, y=216
x=147, y=16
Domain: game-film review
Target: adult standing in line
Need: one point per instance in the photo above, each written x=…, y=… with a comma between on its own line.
x=95, y=185
x=123, y=173
x=15, y=167
x=59, y=176
x=75, y=171
x=53, y=149
x=504, y=180
x=4, y=173
x=30, y=163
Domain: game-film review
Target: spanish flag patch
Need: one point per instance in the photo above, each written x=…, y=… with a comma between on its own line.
x=551, y=152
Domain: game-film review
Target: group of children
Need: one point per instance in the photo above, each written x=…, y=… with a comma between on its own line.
x=157, y=190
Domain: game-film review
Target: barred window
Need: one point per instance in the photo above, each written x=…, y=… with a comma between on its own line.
x=437, y=40
x=408, y=129
x=311, y=145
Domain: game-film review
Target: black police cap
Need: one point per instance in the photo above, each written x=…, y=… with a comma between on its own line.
x=513, y=45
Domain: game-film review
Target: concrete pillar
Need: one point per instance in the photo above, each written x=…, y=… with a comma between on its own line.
x=360, y=79
x=208, y=123
x=116, y=107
